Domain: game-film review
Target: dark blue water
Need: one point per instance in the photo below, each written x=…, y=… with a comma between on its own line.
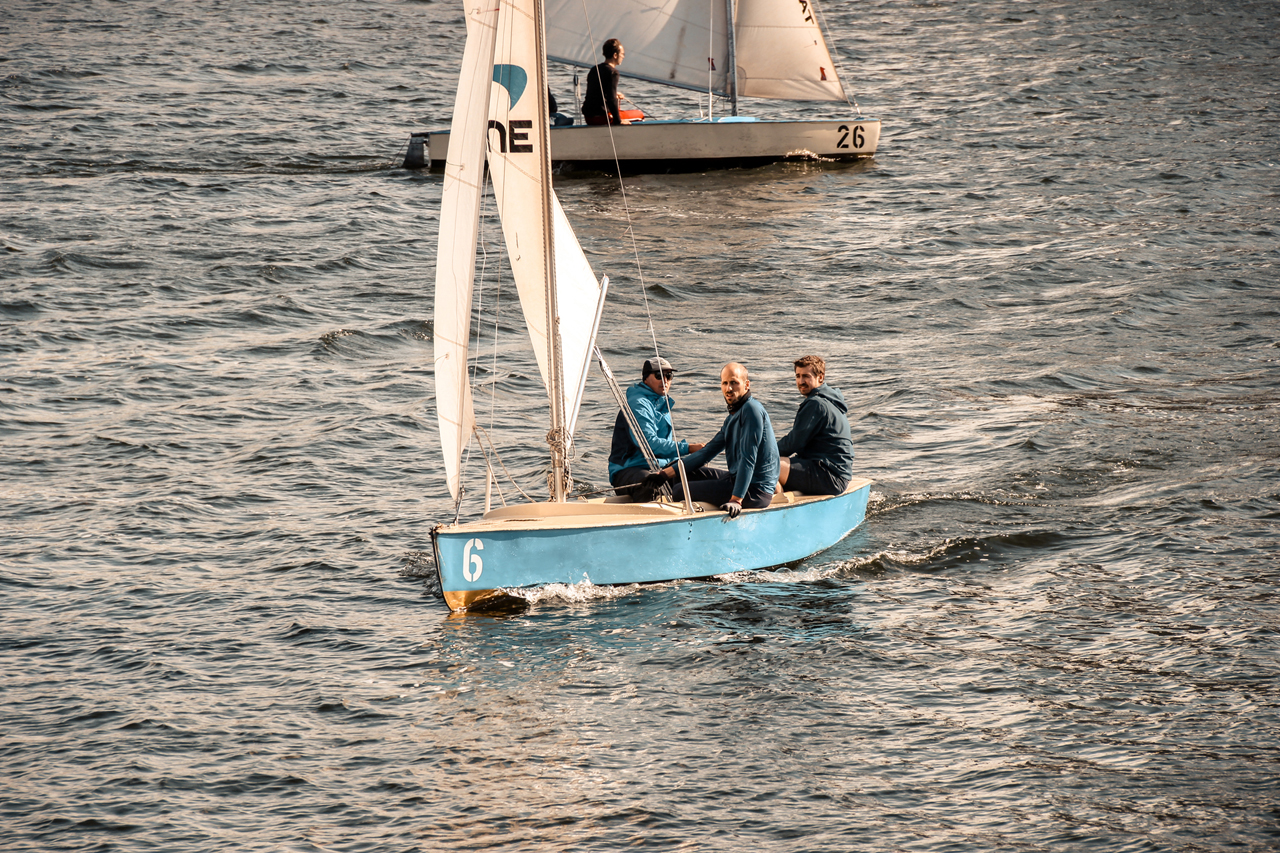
x=1051, y=300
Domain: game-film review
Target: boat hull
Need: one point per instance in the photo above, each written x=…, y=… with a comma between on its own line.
x=610, y=543
x=674, y=146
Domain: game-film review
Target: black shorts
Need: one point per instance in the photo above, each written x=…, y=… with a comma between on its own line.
x=811, y=478
x=627, y=477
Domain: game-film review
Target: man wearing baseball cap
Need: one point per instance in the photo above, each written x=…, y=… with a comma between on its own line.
x=650, y=403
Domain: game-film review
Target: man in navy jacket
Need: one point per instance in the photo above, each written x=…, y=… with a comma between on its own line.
x=817, y=455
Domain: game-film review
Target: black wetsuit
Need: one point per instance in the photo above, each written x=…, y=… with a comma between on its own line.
x=602, y=102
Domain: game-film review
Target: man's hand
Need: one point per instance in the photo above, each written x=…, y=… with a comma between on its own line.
x=647, y=489
x=733, y=507
x=695, y=446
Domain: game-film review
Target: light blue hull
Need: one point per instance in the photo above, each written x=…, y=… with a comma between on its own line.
x=478, y=558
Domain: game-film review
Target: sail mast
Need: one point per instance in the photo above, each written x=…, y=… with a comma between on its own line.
x=558, y=436
x=559, y=295
x=731, y=73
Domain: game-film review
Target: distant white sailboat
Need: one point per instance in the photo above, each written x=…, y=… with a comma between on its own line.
x=502, y=99
x=728, y=48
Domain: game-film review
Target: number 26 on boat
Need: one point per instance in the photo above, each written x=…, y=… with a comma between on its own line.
x=851, y=138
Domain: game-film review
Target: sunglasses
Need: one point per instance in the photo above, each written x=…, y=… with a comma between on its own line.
x=667, y=374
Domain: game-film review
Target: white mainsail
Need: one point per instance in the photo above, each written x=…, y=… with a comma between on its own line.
x=675, y=42
x=456, y=251
x=779, y=49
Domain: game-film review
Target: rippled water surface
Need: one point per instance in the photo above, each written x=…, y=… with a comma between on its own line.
x=1050, y=300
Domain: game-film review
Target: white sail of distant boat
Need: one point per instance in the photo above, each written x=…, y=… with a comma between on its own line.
x=751, y=48
x=500, y=113
x=772, y=49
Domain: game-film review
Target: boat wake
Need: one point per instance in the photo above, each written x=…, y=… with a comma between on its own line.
x=580, y=593
x=952, y=553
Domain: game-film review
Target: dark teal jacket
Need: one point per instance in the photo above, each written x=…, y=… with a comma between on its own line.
x=821, y=433
x=750, y=448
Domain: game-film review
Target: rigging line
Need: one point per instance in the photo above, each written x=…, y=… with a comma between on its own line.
x=611, y=490
x=490, y=207
x=711, y=51
x=497, y=313
x=478, y=287
x=489, y=464
x=400, y=153
x=835, y=60
x=626, y=207
x=501, y=464
x=478, y=284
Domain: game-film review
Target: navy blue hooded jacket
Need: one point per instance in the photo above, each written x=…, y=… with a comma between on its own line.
x=821, y=433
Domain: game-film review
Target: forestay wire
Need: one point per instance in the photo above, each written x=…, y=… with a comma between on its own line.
x=481, y=434
x=835, y=59
x=626, y=209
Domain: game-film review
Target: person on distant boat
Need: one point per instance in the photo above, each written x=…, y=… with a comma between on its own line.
x=651, y=404
x=749, y=446
x=816, y=457
x=601, y=104
x=558, y=119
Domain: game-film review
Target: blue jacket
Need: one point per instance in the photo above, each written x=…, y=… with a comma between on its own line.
x=821, y=433
x=653, y=414
x=750, y=449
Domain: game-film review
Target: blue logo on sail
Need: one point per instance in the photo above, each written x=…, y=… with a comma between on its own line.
x=513, y=78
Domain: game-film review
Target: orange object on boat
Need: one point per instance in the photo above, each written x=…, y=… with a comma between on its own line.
x=627, y=115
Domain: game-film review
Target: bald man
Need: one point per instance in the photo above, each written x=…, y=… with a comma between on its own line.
x=750, y=450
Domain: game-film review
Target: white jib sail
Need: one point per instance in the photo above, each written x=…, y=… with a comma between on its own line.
x=781, y=52
x=456, y=251
x=676, y=42
x=540, y=242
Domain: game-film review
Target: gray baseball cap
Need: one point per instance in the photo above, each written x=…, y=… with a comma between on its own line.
x=656, y=365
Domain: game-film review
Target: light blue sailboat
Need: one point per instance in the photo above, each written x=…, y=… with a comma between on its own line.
x=501, y=110
x=619, y=543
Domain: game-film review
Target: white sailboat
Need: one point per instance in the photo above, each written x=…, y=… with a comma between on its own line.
x=729, y=49
x=499, y=111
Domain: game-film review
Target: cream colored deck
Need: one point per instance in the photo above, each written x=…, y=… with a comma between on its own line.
x=608, y=512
